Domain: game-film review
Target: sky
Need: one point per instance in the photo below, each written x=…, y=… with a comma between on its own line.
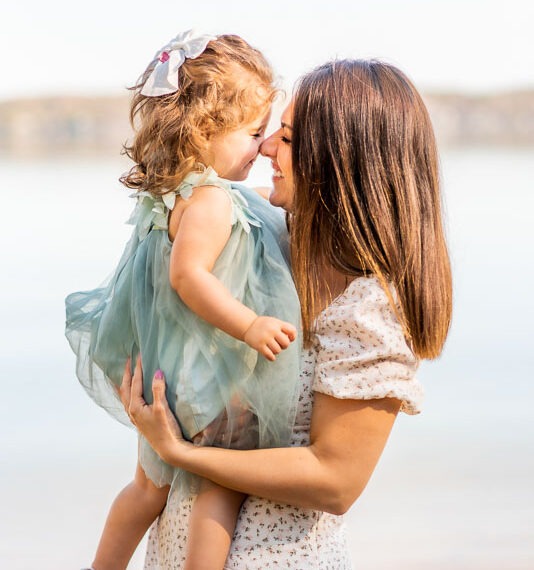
x=57, y=47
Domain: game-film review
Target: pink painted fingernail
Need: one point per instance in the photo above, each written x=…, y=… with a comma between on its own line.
x=158, y=375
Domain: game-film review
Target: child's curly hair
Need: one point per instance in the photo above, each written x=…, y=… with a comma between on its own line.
x=228, y=85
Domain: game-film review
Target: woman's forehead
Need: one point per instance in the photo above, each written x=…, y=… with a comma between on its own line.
x=287, y=115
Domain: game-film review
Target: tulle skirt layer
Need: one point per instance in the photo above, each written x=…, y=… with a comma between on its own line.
x=221, y=391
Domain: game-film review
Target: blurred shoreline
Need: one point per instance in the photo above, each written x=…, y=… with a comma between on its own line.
x=65, y=125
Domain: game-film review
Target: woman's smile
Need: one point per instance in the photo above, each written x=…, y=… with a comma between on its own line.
x=278, y=148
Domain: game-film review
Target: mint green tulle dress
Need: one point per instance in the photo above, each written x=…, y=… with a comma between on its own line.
x=211, y=377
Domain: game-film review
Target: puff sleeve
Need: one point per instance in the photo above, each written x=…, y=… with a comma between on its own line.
x=361, y=350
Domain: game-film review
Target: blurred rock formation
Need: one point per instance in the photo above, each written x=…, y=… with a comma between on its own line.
x=99, y=125
x=505, y=119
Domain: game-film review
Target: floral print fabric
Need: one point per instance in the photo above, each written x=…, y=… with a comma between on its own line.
x=359, y=352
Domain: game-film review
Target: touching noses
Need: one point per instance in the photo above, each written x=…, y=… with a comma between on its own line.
x=268, y=147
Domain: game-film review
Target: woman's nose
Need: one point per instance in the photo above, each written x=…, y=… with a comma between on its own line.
x=268, y=147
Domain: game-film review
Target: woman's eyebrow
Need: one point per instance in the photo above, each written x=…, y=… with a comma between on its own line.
x=286, y=126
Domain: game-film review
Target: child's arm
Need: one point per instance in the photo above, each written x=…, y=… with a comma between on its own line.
x=130, y=516
x=203, y=230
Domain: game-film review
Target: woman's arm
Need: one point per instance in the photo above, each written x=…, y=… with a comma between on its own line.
x=347, y=439
x=201, y=234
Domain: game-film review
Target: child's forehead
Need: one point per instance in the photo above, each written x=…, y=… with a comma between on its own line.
x=258, y=116
x=265, y=115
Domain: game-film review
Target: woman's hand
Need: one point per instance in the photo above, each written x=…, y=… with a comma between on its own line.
x=155, y=421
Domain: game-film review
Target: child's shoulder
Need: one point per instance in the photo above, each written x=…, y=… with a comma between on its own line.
x=208, y=185
x=207, y=179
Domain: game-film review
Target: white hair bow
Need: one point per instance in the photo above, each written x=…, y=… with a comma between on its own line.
x=164, y=77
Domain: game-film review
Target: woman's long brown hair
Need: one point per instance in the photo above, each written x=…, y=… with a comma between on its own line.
x=367, y=195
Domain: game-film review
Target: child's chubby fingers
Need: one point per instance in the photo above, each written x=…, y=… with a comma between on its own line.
x=290, y=330
x=283, y=340
x=268, y=353
x=274, y=347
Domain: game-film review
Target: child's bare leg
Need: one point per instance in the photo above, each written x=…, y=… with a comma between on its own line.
x=132, y=512
x=211, y=527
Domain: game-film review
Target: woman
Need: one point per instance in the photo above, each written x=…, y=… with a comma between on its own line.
x=356, y=165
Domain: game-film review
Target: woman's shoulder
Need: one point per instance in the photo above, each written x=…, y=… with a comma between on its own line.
x=363, y=295
x=364, y=313
x=361, y=348
x=365, y=287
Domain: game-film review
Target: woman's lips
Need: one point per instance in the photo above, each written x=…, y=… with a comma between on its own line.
x=277, y=172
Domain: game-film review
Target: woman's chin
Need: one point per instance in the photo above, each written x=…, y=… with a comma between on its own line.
x=279, y=203
x=280, y=199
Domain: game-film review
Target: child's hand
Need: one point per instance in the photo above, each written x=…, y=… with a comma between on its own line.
x=269, y=336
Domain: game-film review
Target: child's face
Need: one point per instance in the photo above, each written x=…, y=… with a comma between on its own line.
x=232, y=154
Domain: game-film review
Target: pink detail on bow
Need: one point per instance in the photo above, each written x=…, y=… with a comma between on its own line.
x=164, y=57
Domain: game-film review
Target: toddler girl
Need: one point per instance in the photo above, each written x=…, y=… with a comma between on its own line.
x=202, y=290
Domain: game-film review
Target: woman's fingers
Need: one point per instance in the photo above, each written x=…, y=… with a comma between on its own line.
x=161, y=404
x=158, y=390
x=126, y=378
x=156, y=422
x=137, y=402
x=125, y=387
x=137, y=380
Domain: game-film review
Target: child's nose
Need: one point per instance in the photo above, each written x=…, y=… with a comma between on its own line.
x=268, y=147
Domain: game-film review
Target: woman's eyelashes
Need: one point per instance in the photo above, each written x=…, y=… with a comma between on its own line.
x=285, y=140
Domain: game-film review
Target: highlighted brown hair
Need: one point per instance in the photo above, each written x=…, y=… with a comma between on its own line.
x=228, y=85
x=367, y=195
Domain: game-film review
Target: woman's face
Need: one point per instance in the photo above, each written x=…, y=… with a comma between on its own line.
x=278, y=148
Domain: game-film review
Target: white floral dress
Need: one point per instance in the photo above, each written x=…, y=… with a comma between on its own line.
x=359, y=353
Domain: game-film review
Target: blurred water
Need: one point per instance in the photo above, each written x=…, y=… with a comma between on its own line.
x=453, y=489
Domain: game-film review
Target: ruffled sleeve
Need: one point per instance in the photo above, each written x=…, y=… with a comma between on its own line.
x=240, y=211
x=361, y=350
